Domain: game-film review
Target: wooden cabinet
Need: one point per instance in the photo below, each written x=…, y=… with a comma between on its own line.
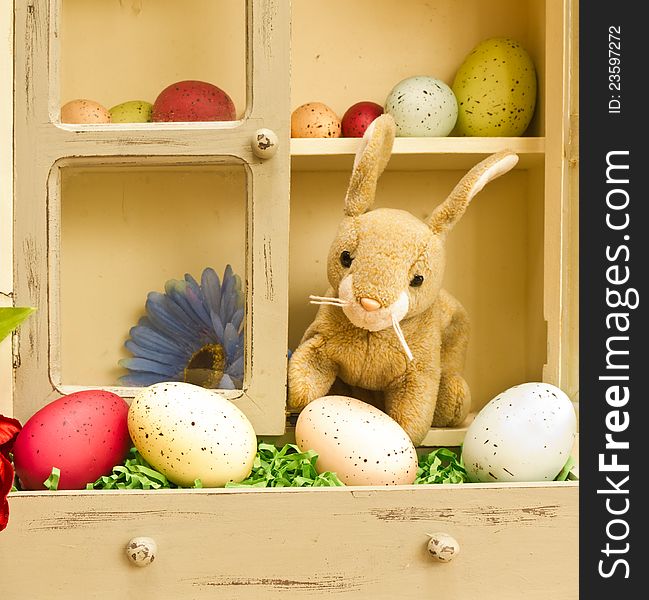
x=101, y=214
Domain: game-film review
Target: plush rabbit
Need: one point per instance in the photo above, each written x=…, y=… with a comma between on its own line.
x=386, y=324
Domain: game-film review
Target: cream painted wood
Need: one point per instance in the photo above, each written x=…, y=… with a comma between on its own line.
x=557, y=205
x=6, y=193
x=415, y=154
x=43, y=146
x=517, y=539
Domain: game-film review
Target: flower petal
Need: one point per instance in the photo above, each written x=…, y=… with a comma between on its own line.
x=9, y=430
x=6, y=481
x=218, y=327
x=237, y=319
x=169, y=359
x=141, y=379
x=230, y=340
x=211, y=289
x=168, y=317
x=235, y=370
x=147, y=336
x=226, y=383
x=149, y=366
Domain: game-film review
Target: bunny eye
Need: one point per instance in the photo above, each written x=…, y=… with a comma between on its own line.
x=416, y=281
x=346, y=259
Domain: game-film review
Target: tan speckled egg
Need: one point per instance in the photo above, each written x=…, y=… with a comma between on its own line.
x=84, y=111
x=315, y=120
x=188, y=432
x=358, y=442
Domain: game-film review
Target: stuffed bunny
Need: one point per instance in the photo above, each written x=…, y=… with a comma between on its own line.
x=386, y=324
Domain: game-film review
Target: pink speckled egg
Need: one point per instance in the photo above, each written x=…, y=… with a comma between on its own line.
x=83, y=434
x=358, y=442
x=357, y=118
x=315, y=120
x=84, y=111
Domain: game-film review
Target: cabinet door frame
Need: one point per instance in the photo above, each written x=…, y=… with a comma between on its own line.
x=43, y=146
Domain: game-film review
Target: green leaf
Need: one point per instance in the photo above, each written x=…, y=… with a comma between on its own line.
x=440, y=466
x=52, y=482
x=10, y=318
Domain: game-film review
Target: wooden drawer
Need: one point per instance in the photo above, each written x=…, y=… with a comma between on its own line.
x=349, y=542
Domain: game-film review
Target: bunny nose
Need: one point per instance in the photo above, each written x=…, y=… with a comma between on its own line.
x=369, y=304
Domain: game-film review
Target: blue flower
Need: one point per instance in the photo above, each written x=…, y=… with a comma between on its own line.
x=191, y=333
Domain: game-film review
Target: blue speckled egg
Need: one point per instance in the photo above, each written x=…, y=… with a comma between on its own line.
x=422, y=107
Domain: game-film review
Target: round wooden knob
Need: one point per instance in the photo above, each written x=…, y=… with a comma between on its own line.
x=264, y=143
x=443, y=547
x=141, y=551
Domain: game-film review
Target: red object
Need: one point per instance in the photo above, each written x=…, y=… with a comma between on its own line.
x=84, y=434
x=193, y=101
x=9, y=429
x=358, y=118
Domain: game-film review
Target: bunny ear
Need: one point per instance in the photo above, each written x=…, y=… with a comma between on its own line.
x=447, y=214
x=371, y=159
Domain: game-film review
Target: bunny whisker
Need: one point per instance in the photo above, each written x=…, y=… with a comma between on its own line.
x=331, y=301
x=401, y=337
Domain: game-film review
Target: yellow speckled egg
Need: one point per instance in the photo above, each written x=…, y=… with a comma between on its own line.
x=315, y=120
x=84, y=111
x=357, y=441
x=496, y=90
x=188, y=432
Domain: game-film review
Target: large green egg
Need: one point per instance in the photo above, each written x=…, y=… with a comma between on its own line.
x=495, y=89
x=134, y=111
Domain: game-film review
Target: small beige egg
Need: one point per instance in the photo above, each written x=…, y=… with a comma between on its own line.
x=358, y=442
x=315, y=120
x=84, y=111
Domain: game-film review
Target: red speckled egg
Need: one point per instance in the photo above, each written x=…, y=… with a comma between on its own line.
x=84, y=434
x=193, y=101
x=358, y=118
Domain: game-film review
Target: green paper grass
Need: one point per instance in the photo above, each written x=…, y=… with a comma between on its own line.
x=52, y=482
x=135, y=474
x=563, y=474
x=440, y=466
x=287, y=467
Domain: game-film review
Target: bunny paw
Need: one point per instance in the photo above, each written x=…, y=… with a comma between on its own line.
x=453, y=401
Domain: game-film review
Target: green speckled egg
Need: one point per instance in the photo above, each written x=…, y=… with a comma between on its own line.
x=495, y=89
x=134, y=111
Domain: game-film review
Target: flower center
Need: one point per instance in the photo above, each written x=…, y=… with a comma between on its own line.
x=206, y=366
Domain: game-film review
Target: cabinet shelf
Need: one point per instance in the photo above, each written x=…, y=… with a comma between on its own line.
x=415, y=154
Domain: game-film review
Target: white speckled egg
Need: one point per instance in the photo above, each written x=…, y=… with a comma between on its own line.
x=422, y=107
x=187, y=432
x=358, y=442
x=524, y=434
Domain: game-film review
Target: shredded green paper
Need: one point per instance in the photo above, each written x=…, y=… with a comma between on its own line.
x=287, y=467
x=135, y=474
x=52, y=482
x=440, y=466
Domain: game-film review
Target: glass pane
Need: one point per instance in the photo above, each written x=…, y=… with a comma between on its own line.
x=127, y=50
x=129, y=235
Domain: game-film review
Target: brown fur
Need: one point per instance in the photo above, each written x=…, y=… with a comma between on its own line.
x=389, y=247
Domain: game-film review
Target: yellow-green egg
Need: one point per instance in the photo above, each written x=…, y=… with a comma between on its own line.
x=133, y=111
x=495, y=89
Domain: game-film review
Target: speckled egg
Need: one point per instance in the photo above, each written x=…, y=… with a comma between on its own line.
x=83, y=434
x=422, y=107
x=358, y=442
x=133, y=111
x=524, y=434
x=188, y=433
x=495, y=89
x=315, y=120
x=192, y=100
x=84, y=111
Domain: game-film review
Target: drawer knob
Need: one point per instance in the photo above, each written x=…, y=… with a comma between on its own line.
x=264, y=143
x=141, y=551
x=443, y=547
